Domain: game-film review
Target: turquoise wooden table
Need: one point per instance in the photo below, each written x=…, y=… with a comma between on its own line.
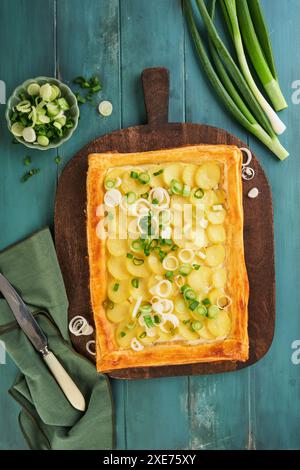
x=258, y=407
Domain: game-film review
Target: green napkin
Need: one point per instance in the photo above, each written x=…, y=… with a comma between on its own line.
x=47, y=419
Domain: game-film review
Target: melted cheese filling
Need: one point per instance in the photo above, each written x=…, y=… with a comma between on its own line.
x=166, y=254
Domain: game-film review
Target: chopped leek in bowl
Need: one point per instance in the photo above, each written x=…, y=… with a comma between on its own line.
x=42, y=113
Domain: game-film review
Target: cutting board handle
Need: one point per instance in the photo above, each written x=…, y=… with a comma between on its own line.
x=156, y=94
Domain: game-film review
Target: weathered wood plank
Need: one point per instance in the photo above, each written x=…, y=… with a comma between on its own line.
x=88, y=44
x=152, y=35
x=275, y=384
x=218, y=405
x=24, y=207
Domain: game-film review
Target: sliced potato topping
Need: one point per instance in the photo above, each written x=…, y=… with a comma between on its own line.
x=208, y=175
x=189, y=308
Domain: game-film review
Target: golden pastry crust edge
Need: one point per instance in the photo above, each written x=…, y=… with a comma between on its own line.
x=236, y=347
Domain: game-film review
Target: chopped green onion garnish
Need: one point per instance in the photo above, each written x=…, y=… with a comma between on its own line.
x=129, y=255
x=186, y=322
x=122, y=334
x=213, y=311
x=185, y=269
x=110, y=183
x=144, y=178
x=199, y=193
x=27, y=161
x=29, y=174
x=145, y=195
x=176, y=187
x=131, y=197
x=184, y=288
x=138, y=261
x=202, y=310
x=189, y=294
x=143, y=335
x=186, y=190
x=193, y=305
x=155, y=201
x=174, y=247
x=135, y=283
x=136, y=245
x=134, y=175
x=156, y=319
x=169, y=274
x=157, y=173
x=116, y=287
x=196, y=325
x=148, y=321
x=146, y=308
x=196, y=267
x=206, y=302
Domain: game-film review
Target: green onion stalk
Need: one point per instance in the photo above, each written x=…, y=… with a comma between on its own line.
x=257, y=41
x=244, y=112
x=270, y=84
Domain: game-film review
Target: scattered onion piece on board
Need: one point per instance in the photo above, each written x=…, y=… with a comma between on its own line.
x=249, y=156
x=88, y=347
x=253, y=193
x=105, y=108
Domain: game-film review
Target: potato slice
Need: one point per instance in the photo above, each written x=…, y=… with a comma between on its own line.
x=155, y=264
x=215, y=255
x=215, y=294
x=177, y=203
x=162, y=336
x=120, y=295
x=216, y=233
x=140, y=291
x=216, y=217
x=219, y=326
x=158, y=180
x=219, y=278
x=145, y=340
x=119, y=312
x=180, y=305
x=208, y=175
x=116, y=265
x=153, y=280
x=210, y=198
x=114, y=173
x=201, y=279
x=188, y=174
x=172, y=172
x=186, y=332
x=141, y=270
x=132, y=185
x=117, y=247
x=124, y=335
x=205, y=333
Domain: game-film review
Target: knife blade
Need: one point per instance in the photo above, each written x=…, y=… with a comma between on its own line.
x=37, y=337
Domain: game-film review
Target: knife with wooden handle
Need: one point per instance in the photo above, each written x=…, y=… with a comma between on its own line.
x=39, y=340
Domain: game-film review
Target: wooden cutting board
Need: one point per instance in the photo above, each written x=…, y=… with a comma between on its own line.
x=70, y=225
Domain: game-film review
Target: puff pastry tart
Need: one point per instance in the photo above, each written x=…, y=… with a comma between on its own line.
x=168, y=280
